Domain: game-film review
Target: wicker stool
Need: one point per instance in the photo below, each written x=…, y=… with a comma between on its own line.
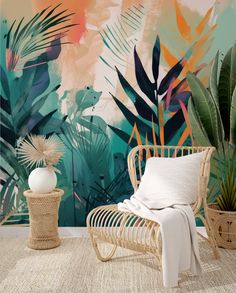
x=43, y=213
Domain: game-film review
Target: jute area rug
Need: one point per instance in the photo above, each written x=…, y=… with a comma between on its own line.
x=72, y=267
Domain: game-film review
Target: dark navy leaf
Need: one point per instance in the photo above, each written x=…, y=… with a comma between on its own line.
x=173, y=125
x=156, y=59
x=146, y=86
x=171, y=75
x=143, y=128
x=143, y=109
x=124, y=136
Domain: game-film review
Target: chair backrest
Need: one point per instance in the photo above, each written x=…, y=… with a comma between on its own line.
x=139, y=154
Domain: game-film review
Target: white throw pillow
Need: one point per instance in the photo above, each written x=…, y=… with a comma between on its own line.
x=169, y=181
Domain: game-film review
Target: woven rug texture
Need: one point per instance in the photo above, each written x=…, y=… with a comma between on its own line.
x=73, y=267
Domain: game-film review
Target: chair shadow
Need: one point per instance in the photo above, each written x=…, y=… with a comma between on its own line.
x=212, y=269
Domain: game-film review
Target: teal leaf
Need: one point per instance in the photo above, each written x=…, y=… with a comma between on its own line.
x=4, y=84
x=87, y=98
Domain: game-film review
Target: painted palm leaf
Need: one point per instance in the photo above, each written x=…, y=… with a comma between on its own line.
x=146, y=86
x=23, y=40
x=156, y=52
x=143, y=109
x=119, y=38
x=149, y=130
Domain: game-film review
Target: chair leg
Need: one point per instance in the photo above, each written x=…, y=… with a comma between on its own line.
x=211, y=236
x=98, y=253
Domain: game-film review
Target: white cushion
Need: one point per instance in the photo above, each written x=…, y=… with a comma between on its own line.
x=170, y=181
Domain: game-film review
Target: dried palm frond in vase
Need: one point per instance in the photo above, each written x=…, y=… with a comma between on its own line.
x=38, y=150
x=43, y=153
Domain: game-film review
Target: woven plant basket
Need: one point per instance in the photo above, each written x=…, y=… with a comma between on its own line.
x=43, y=214
x=223, y=224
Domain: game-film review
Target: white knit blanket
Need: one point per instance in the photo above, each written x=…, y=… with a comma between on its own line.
x=179, y=237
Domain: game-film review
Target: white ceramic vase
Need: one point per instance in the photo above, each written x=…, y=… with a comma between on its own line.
x=42, y=180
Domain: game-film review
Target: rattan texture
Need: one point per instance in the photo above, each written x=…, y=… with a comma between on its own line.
x=224, y=226
x=43, y=214
x=130, y=231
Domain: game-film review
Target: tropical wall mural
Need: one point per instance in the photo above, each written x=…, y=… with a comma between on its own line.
x=105, y=76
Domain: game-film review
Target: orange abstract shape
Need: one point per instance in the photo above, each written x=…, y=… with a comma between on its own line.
x=202, y=24
x=198, y=55
x=183, y=26
x=154, y=137
x=183, y=137
x=169, y=57
x=200, y=47
x=138, y=138
x=11, y=59
x=204, y=38
x=186, y=118
x=148, y=153
x=75, y=33
x=135, y=132
x=204, y=80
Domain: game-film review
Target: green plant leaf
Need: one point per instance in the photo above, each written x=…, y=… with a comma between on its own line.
x=4, y=83
x=198, y=130
x=34, y=35
x=22, y=120
x=8, y=197
x=205, y=107
x=233, y=119
x=214, y=79
x=227, y=83
x=8, y=134
x=4, y=105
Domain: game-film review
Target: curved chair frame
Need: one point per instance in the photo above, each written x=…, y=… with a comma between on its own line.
x=128, y=230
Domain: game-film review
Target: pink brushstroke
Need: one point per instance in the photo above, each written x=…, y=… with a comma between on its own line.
x=169, y=94
x=30, y=66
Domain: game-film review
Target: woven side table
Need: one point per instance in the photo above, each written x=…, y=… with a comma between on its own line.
x=43, y=214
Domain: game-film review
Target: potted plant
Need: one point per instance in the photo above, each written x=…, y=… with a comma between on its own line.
x=222, y=214
x=212, y=113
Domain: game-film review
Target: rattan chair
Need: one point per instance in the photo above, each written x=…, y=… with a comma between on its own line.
x=108, y=224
